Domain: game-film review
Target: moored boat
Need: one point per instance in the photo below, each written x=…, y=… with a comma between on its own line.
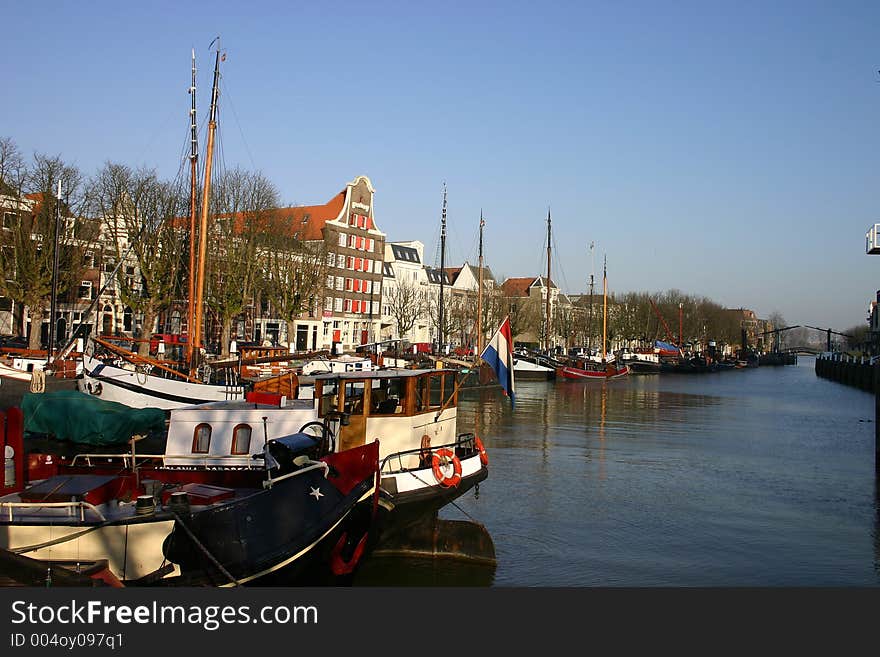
x=278, y=506
x=592, y=371
x=534, y=367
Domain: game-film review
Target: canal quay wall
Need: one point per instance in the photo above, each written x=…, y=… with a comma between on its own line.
x=858, y=372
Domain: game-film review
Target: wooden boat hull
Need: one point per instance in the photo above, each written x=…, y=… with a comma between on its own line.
x=611, y=372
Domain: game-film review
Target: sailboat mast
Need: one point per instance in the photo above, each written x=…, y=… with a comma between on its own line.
x=55, y=249
x=590, y=326
x=680, y=306
x=480, y=290
x=604, y=307
x=547, y=301
x=193, y=210
x=442, y=265
x=206, y=195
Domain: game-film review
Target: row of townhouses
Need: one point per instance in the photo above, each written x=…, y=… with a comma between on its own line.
x=374, y=289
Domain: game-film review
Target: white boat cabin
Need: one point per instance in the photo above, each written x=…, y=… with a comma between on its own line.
x=405, y=410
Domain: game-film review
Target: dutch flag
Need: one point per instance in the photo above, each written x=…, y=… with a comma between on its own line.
x=498, y=354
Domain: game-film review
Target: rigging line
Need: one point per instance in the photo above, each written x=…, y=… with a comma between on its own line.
x=562, y=284
x=238, y=124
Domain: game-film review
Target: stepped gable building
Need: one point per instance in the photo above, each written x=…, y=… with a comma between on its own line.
x=350, y=314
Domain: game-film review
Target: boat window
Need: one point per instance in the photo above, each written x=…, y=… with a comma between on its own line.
x=329, y=399
x=387, y=396
x=241, y=439
x=429, y=390
x=435, y=388
x=201, y=439
x=353, y=394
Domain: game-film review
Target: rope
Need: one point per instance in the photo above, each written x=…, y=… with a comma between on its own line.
x=452, y=502
x=38, y=381
x=205, y=551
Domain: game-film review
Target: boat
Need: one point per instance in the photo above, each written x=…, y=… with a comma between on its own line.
x=116, y=373
x=18, y=570
x=532, y=366
x=216, y=453
x=217, y=507
x=425, y=463
x=582, y=369
x=641, y=361
x=585, y=366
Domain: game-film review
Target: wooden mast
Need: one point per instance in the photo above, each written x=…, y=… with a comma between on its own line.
x=193, y=210
x=604, y=306
x=206, y=196
x=442, y=266
x=590, y=325
x=547, y=301
x=50, y=352
x=480, y=291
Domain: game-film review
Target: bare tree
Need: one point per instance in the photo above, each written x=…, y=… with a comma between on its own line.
x=242, y=202
x=293, y=271
x=29, y=244
x=406, y=303
x=141, y=211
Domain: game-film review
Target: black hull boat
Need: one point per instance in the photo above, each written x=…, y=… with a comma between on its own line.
x=319, y=517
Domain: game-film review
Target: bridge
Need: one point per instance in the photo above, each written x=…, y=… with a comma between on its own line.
x=804, y=349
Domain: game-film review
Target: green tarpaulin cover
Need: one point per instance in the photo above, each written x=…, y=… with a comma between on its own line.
x=81, y=418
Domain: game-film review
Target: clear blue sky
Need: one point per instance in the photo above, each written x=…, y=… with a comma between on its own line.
x=724, y=149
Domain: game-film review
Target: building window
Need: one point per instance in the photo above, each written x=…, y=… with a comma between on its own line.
x=328, y=303
x=341, y=239
x=339, y=282
x=85, y=290
x=346, y=305
x=241, y=439
x=337, y=304
x=331, y=259
x=201, y=439
x=88, y=259
x=329, y=282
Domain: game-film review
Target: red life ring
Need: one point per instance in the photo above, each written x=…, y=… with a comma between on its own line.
x=484, y=458
x=338, y=563
x=443, y=455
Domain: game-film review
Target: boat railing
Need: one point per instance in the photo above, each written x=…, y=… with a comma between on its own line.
x=308, y=466
x=71, y=507
x=463, y=446
x=241, y=460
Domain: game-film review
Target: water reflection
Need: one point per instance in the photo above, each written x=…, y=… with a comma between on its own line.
x=432, y=552
x=761, y=477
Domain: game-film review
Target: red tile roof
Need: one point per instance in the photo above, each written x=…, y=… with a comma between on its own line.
x=517, y=287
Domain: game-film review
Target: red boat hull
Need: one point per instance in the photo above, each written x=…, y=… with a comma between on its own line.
x=610, y=372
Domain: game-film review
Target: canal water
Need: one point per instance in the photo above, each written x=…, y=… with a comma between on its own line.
x=753, y=477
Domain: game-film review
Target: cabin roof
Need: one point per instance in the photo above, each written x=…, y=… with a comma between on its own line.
x=391, y=373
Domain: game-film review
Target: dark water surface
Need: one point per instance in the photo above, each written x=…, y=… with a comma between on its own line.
x=755, y=477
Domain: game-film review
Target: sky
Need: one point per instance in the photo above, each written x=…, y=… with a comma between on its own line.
x=727, y=150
